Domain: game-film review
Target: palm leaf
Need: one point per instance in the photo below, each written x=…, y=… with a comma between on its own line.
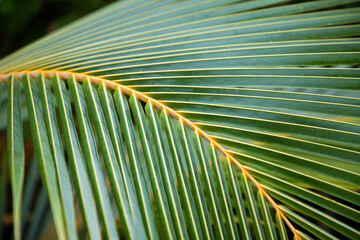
x=193, y=119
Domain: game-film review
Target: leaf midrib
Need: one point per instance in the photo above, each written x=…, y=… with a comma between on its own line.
x=142, y=97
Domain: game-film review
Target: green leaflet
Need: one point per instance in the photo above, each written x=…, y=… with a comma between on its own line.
x=169, y=186
x=236, y=190
x=253, y=208
x=210, y=187
x=92, y=159
x=196, y=188
x=184, y=187
x=52, y=127
x=15, y=149
x=119, y=149
x=115, y=178
x=281, y=227
x=265, y=212
x=224, y=194
x=82, y=182
x=43, y=153
x=123, y=110
x=161, y=201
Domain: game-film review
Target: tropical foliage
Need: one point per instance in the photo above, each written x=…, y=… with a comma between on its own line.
x=197, y=119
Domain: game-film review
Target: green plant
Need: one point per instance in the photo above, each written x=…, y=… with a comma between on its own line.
x=191, y=119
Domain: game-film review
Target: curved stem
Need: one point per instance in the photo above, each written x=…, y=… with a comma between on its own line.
x=143, y=97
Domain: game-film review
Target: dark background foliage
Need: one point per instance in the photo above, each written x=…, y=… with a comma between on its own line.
x=23, y=21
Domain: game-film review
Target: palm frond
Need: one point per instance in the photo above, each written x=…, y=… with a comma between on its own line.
x=193, y=119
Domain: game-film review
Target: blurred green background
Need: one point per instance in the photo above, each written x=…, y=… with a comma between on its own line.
x=23, y=21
